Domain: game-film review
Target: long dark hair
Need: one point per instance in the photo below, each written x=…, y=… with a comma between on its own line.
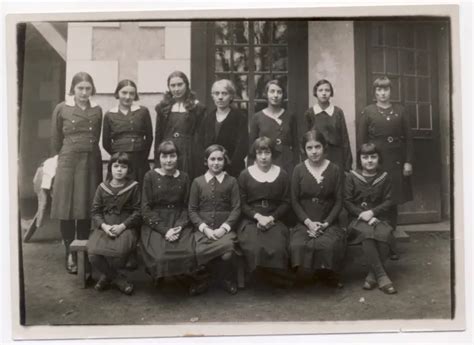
x=122, y=84
x=168, y=100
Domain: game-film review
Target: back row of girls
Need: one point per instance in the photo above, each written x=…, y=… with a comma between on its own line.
x=180, y=118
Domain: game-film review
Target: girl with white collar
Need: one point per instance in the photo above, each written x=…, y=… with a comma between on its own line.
x=76, y=126
x=265, y=199
x=329, y=120
x=127, y=128
x=214, y=210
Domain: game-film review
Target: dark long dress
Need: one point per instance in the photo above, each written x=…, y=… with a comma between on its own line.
x=283, y=134
x=232, y=134
x=75, y=138
x=181, y=128
x=363, y=193
x=164, y=206
x=319, y=201
x=131, y=133
x=115, y=206
x=389, y=129
x=214, y=203
x=264, y=248
x=334, y=129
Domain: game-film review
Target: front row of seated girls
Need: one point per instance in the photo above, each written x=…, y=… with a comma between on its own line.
x=193, y=233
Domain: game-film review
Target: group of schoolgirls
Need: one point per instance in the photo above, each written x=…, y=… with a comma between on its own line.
x=287, y=219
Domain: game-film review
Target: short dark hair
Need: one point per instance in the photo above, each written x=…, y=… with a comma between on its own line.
x=322, y=82
x=313, y=135
x=80, y=77
x=121, y=158
x=382, y=82
x=368, y=149
x=167, y=147
x=213, y=148
x=262, y=143
x=122, y=84
x=277, y=82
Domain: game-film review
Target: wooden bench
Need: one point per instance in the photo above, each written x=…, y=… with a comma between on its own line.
x=83, y=266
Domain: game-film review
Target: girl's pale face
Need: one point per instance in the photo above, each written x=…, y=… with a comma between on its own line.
x=119, y=171
x=215, y=162
x=168, y=161
x=382, y=94
x=177, y=87
x=369, y=162
x=127, y=95
x=82, y=91
x=275, y=95
x=221, y=97
x=263, y=158
x=314, y=151
x=323, y=93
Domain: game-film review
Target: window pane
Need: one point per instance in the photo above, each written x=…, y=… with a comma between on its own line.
x=408, y=61
x=395, y=89
x=407, y=36
x=410, y=89
x=391, y=60
x=219, y=76
x=280, y=32
x=262, y=32
x=241, y=62
x=421, y=38
x=222, y=32
x=377, y=60
x=411, y=110
x=391, y=35
x=280, y=59
x=260, y=82
x=241, y=32
x=241, y=85
x=262, y=59
x=424, y=90
x=422, y=63
x=424, y=116
x=241, y=105
x=222, y=59
x=377, y=35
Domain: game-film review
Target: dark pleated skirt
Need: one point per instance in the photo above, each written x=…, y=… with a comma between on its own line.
x=264, y=248
x=324, y=252
x=77, y=176
x=120, y=247
x=166, y=259
x=360, y=230
x=207, y=250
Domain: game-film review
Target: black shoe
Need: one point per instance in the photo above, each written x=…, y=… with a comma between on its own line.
x=229, y=286
x=123, y=285
x=198, y=288
x=71, y=265
x=102, y=284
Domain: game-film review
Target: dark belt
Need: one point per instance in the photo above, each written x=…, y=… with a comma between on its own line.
x=389, y=139
x=264, y=203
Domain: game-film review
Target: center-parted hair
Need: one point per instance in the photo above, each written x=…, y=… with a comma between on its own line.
x=277, y=82
x=80, y=77
x=261, y=144
x=322, y=82
x=121, y=158
x=368, y=149
x=213, y=148
x=126, y=82
x=313, y=135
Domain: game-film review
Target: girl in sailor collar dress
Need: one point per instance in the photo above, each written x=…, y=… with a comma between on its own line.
x=277, y=124
x=76, y=126
x=127, y=128
x=265, y=200
x=387, y=125
x=167, y=239
x=329, y=120
x=317, y=243
x=367, y=198
x=116, y=218
x=178, y=117
x=214, y=210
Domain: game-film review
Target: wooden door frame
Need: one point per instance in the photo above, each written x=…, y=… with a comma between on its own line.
x=201, y=76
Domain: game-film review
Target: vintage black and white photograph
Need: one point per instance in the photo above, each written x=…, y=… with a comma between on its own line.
x=194, y=170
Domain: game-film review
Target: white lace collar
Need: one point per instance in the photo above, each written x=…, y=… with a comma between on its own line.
x=329, y=110
x=69, y=100
x=179, y=107
x=269, y=176
x=208, y=176
x=134, y=107
x=318, y=175
x=276, y=117
x=162, y=173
